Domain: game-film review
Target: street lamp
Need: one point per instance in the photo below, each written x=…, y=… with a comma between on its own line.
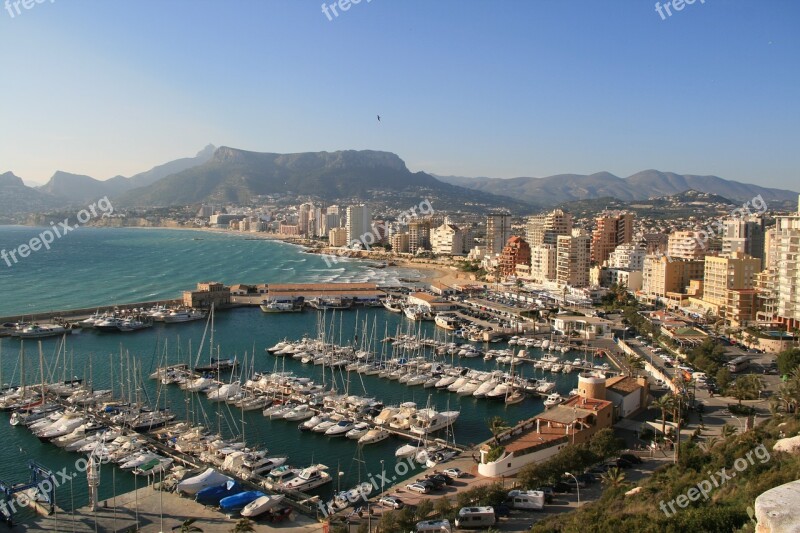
x=577, y=486
x=741, y=425
x=383, y=476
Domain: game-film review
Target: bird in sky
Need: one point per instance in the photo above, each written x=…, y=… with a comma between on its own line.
x=379, y=118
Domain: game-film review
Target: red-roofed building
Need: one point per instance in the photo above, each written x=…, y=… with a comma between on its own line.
x=516, y=251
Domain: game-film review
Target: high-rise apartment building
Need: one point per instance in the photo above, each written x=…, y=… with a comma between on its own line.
x=543, y=263
x=573, y=259
x=545, y=228
x=611, y=229
x=447, y=239
x=628, y=256
x=787, y=236
x=419, y=235
x=744, y=235
x=498, y=230
x=359, y=225
x=515, y=252
x=687, y=245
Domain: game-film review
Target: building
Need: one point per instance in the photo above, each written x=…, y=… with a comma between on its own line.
x=447, y=239
x=573, y=258
x=359, y=225
x=586, y=327
x=289, y=229
x=304, y=216
x=655, y=243
x=516, y=251
x=400, y=243
x=207, y=294
x=628, y=256
x=787, y=235
x=723, y=273
x=337, y=237
x=224, y=220
x=611, y=229
x=662, y=275
x=429, y=302
x=686, y=245
x=537, y=439
x=744, y=235
x=498, y=230
x=419, y=236
x=543, y=263
x=333, y=219
x=606, y=277
x=628, y=394
x=545, y=228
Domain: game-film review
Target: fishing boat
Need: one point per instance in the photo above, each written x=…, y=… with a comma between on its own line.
x=394, y=305
x=282, y=305
x=447, y=321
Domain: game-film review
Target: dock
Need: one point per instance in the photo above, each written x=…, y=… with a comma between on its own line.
x=149, y=510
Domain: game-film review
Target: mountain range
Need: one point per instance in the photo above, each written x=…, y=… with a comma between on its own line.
x=228, y=175
x=640, y=186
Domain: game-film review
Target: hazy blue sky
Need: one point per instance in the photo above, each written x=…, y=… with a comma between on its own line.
x=494, y=88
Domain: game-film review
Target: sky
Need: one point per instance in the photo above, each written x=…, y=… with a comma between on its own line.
x=470, y=88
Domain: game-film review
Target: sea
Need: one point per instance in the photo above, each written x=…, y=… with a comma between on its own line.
x=101, y=267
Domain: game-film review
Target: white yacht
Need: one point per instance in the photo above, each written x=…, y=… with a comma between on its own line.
x=309, y=478
x=358, y=431
x=428, y=420
x=184, y=316
x=340, y=429
x=374, y=435
x=553, y=399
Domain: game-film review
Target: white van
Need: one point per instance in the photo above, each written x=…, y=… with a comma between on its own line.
x=526, y=499
x=434, y=526
x=475, y=517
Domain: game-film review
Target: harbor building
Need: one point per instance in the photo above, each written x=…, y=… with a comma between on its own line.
x=628, y=394
x=358, y=292
x=498, y=230
x=541, y=437
x=611, y=229
x=206, y=294
x=429, y=302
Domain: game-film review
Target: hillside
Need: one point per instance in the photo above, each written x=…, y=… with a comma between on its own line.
x=16, y=198
x=237, y=176
x=642, y=185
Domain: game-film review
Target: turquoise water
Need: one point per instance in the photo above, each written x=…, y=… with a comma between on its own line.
x=165, y=262
x=104, y=266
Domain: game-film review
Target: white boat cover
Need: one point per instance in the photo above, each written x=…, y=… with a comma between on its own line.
x=209, y=478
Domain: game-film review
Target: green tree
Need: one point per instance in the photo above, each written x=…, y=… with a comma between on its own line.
x=747, y=387
x=605, y=444
x=424, y=509
x=664, y=403
x=243, y=525
x=188, y=527
x=788, y=361
x=614, y=477
x=723, y=377
x=444, y=509
x=497, y=425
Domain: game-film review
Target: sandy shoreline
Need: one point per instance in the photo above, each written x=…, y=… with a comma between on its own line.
x=429, y=273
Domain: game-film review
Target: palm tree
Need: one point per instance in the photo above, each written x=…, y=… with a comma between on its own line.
x=187, y=527
x=709, y=443
x=243, y=525
x=665, y=404
x=497, y=425
x=747, y=387
x=633, y=363
x=613, y=477
x=728, y=430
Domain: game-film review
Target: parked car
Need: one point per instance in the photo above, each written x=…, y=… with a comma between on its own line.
x=587, y=479
x=418, y=487
x=622, y=463
x=502, y=510
x=631, y=458
x=434, y=483
x=562, y=487
x=444, y=478
x=454, y=472
x=392, y=501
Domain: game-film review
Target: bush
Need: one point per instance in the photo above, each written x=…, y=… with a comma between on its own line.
x=788, y=361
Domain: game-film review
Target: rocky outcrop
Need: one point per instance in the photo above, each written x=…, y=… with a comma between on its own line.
x=778, y=509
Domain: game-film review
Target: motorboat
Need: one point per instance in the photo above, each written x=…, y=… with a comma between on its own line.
x=276, y=305
x=237, y=502
x=309, y=478
x=324, y=426
x=213, y=495
x=261, y=505
x=264, y=465
x=283, y=474
x=553, y=399
x=499, y=392
x=154, y=466
x=407, y=450
x=395, y=305
x=428, y=420
x=374, y=435
x=209, y=478
x=36, y=331
x=340, y=429
x=450, y=322
x=301, y=412
x=184, y=316
x=358, y=431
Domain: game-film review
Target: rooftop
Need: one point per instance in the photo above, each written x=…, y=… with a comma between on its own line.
x=623, y=384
